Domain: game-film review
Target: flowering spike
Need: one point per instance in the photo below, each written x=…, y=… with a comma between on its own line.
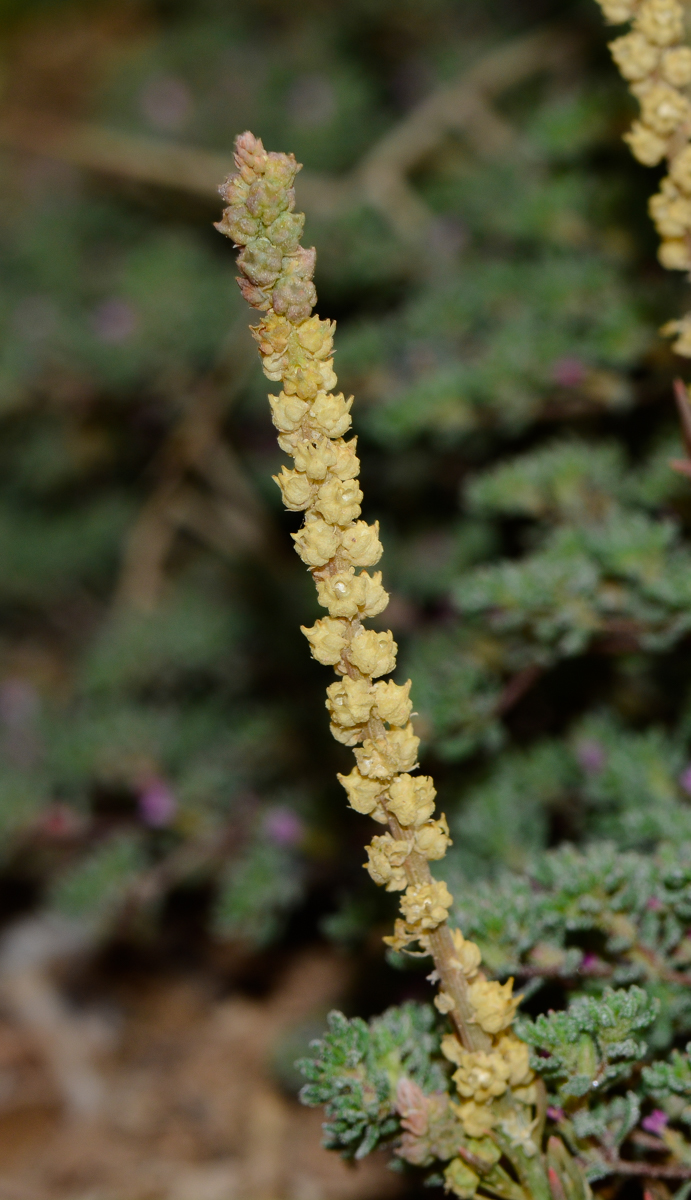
x=296, y=350
x=657, y=64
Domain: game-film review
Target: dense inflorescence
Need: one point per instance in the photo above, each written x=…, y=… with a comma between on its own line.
x=494, y=1082
x=657, y=64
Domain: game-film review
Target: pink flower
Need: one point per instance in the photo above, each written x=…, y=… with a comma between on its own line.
x=283, y=826
x=589, y=963
x=555, y=1114
x=591, y=756
x=157, y=804
x=653, y=904
x=655, y=1122
x=685, y=780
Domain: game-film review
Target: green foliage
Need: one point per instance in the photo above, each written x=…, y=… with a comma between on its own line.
x=94, y=885
x=663, y=1080
x=515, y=424
x=588, y=919
x=255, y=893
x=356, y=1069
x=590, y=1046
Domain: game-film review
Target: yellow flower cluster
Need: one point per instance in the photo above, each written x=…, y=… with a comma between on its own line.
x=367, y=713
x=482, y=1076
x=657, y=64
x=312, y=422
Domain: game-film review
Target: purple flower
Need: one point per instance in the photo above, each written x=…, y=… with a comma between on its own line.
x=114, y=321
x=590, y=964
x=685, y=780
x=654, y=904
x=157, y=804
x=555, y=1114
x=568, y=372
x=655, y=1122
x=165, y=102
x=283, y=826
x=591, y=756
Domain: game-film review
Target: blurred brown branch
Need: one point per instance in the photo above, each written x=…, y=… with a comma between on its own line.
x=381, y=179
x=201, y=486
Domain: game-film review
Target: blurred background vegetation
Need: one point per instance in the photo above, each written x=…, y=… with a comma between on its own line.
x=166, y=772
x=484, y=245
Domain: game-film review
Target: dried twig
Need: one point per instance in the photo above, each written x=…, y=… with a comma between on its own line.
x=463, y=106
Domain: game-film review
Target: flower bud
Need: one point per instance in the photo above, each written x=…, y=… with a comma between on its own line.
x=268, y=198
x=676, y=66
x=260, y=261
x=373, y=653
x=286, y=231
x=350, y=701
x=675, y=254
x=393, y=701
x=661, y=21
x=327, y=639
x=373, y=599
x=664, y=109
x=432, y=839
x=635, y=56
x=645, y=145
x=255, y=296
x=297, y=490
x=364, y=795
x=467, y=954
x=481, y=1075
x=294, y=295
x=396, y=750
x=347, y=735
x=272, y=334
x=361, y=544
x=517, y=1056
x=680, y=170
x=331, y=414
x=287, y=414
x=671, y=213
x=339, y=502
x=317, y=542
x=386, y=857
x=617, y=11
x=341, y=593
x=250, y=153
x=315, y=458
x=305, y=379
x=289, y=442
x=316, y=336
x=494, y=1005
x=236, y=223
x=426, y=905
x=477, y=1120
x=234, y=191
x=411, y=799
x=680, y=329
x=347, y=464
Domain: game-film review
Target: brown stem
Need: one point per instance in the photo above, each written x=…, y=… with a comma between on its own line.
x=517, y=687
x=453, y=981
